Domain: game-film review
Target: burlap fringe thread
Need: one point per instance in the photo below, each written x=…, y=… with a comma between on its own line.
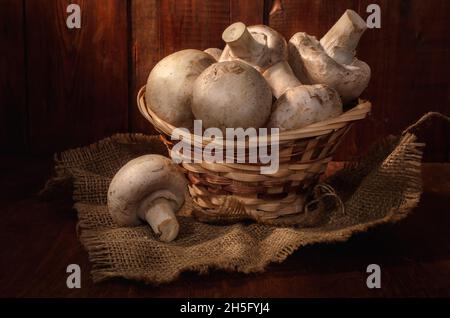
x=382, y=188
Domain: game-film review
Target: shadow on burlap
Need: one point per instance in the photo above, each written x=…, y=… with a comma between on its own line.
x=382, y=188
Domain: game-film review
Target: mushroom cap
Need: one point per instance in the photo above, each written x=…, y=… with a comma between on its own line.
x=214, y=52
x=231, y=95
x=275, y=48
x=304, y=105
x=140, y=182
x=169, y=86
x=312, y=65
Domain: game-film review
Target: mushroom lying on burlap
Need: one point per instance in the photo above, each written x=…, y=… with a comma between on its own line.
x=169, y=85
x=299, y=105
x=332, y=60
x=214, y=52
x=149, y=188
x=231, y=95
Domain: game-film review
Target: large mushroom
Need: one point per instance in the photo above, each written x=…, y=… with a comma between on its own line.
x=299, y=105
x=304, y=105
x=332, y=60
x=169, y=85
x=149, y=188
x=231, y=95
x=263, y=48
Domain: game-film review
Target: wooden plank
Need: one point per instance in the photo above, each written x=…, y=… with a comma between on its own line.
x=409, y=57
x=12, y=78
x=248, y=11
x=187, y=24
x=145, y=53
x=410, y=61
x=313, y=17
x=78, y=79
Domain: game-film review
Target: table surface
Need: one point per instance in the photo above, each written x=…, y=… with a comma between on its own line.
x=38, y=242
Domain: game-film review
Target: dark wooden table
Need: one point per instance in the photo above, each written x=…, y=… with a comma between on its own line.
x=38, y=242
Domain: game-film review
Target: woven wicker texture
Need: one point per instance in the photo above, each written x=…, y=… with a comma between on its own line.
x=303, y=154
x=382, y=188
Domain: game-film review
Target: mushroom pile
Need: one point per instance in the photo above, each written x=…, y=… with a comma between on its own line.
x=258, y=80
x=261, y=80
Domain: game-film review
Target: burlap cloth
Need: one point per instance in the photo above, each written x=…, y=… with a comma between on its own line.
x=383, y=187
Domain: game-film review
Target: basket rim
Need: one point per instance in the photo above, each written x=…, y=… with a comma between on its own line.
x=356, y=113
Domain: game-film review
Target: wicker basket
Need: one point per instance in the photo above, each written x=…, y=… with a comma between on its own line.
x=304, y=155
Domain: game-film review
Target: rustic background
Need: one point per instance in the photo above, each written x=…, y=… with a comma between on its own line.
x=62, y=88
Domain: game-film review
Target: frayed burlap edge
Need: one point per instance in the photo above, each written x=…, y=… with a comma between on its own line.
x=100, y=254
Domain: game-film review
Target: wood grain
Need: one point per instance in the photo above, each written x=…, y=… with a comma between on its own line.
x=62, y=88
x=145, y=53
x=248, y=11
x=13, y=112
x=409, y=57
x=195, y=24
x=77, y=79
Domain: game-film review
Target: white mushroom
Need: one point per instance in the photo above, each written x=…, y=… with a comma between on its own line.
x=169, y=86
x=214, y=52
x=231, y=95
x=257, y=45
x=264, y=49
x=280, y=78
x=341, y=40
x=304, y=105
x=299, y=105
x=149, y=188
x=331, y=61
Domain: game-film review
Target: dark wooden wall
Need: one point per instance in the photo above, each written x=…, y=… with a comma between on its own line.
x=63, y=88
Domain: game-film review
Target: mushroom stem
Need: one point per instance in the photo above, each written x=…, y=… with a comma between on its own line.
x=341, y=40
x=281, y=78
x=242, y=44
x=162, y=219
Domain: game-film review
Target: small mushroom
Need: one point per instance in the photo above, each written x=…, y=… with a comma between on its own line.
x=258, y=45
x=169, y=85
x=214, y=52
x=332, y=60
x=149, y=188
x=231, y=95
